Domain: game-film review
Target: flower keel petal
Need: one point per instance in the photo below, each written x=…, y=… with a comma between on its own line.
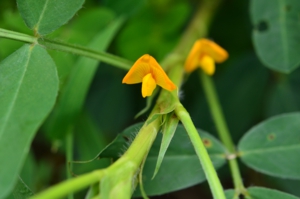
x=207, y=64
x=148, y=85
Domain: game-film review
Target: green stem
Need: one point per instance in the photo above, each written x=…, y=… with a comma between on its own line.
x=17, y=36
x=79, y=50
x=69, y=154
x=69, y=48
x=210, y=172
x=222, y=128
x=72, y=185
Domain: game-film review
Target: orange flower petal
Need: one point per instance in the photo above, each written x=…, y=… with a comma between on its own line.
x=149, y=72
x=138, y=71
x=213, y=50
x=160, y=76
x=148, y=85
x=207, y=64
x=192, y=61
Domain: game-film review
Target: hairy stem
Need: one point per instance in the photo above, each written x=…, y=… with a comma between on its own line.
x=69, y=48
x=210, y=172
x=71, y=185
x=222, y=128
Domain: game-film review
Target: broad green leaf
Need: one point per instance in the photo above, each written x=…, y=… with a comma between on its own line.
x=168, y=131
x=264, y=193
x=276, y=35
x=73, y=94
x=28, y=89
x=45, y=16
x=260, y=193
x=180, y=167
x=272, y=147
x=21, y=190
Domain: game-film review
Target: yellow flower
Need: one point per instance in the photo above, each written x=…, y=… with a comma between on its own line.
x=150, y=73
x=204, y=54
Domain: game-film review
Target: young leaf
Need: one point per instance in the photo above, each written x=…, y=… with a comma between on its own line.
x=45, y=16
x=28, y=85
x=168, y=131
x=180, y=167
x=272, y=147
x=74, y=92
x=166, y=104
x=276, y=35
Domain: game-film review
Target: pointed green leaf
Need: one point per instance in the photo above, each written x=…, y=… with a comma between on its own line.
x=276, y=35
x=273, y=146
x=73, y=94
x=45, y=16
x=28, y=89
x=168, y=132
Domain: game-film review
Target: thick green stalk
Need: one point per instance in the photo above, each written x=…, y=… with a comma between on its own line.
x=210, y=172
x=69, y=48
x=69, y=186
x=17, y=36
x=223, y=131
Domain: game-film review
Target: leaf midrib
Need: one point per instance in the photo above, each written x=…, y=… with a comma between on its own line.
x=220, y=155
x=41, y=16
x=282, y=21
x=271, y=149
x=10, y=108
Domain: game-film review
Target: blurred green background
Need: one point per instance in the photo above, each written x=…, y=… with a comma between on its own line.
x=248, y=91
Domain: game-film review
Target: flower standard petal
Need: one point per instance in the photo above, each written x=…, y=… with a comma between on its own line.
x=212, y=49
x=149, y=72
x=192, y=61
x=148, y=85
x=204, y=54
x=138, y=71
x=160, y=76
